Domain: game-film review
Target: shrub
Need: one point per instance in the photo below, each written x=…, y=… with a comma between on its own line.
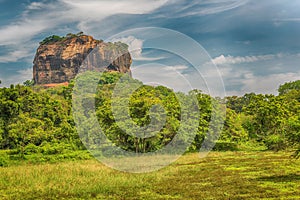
x=3, y=161
x=51, y=39
x=225, y=146
x=275, y=142
x=31, y=148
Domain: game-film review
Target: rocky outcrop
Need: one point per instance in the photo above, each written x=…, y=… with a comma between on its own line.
x=59, y=60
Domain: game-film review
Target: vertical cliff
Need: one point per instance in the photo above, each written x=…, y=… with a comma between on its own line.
x=58, y=60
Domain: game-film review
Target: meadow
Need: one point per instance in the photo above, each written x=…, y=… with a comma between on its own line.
x=221, y=175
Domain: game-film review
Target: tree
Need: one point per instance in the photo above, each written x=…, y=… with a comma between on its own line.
x=292, y=126
x=238, y=103
x=28, y=83
x=80, y=33
x=233, y=130
x=285, y=88
x=51, y=39
x=269, y=114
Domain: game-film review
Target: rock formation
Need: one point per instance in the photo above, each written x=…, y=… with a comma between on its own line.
x=59, y=59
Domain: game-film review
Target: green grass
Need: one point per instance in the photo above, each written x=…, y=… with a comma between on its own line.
x=221, y=175
x=12, y=158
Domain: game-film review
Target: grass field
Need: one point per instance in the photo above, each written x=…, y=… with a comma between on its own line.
x=221, y=175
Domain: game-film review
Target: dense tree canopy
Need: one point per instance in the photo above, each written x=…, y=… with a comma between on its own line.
x=35, y=119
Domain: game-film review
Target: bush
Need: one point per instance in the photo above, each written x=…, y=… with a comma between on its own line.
x=31, y=148
x=51, y=149
x=57, y=148
x=275, y=142
x=3, y=161
x=252, y=145
x=225, y=146
x=51, y=39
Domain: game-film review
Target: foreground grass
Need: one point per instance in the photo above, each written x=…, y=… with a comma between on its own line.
x=221, y=175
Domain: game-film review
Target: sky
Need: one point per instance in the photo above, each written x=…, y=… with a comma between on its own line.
x=254, y=45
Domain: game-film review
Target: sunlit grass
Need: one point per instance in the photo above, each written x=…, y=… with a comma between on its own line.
x=221, y=175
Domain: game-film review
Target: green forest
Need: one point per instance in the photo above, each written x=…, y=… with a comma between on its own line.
x=39, y=121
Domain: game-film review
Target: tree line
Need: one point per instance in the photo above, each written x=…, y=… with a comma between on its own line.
x=39, y=120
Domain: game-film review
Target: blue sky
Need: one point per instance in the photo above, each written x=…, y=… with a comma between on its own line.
x=255, y=44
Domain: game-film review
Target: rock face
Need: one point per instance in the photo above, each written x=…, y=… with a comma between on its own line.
x=60, y=60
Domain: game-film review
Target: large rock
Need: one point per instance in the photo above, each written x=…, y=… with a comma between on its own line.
x=60, y=60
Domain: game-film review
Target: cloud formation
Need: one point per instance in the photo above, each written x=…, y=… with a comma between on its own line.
x=252, y=42
x=158, y=74
x=135, y=47
x=201, y=7
x=14, y=56
x=39, y=17
x=266, y=84
x=18, y=78
x=222, y=60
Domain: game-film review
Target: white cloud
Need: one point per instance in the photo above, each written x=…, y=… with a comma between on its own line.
x=158, y=74
x=14, y=56
x=22, y=31
x=221, y=6
x=135, y=45
x=18, y=78
x=176, y=67
x=136, y=48
x=36, y=6
x=103, y=8
x=204, y=7
x=175, y=78
x=238, y=81
x=222, y=60
x=266, y=84
x=242, y=81
x=38, y=17
x=271, y=70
